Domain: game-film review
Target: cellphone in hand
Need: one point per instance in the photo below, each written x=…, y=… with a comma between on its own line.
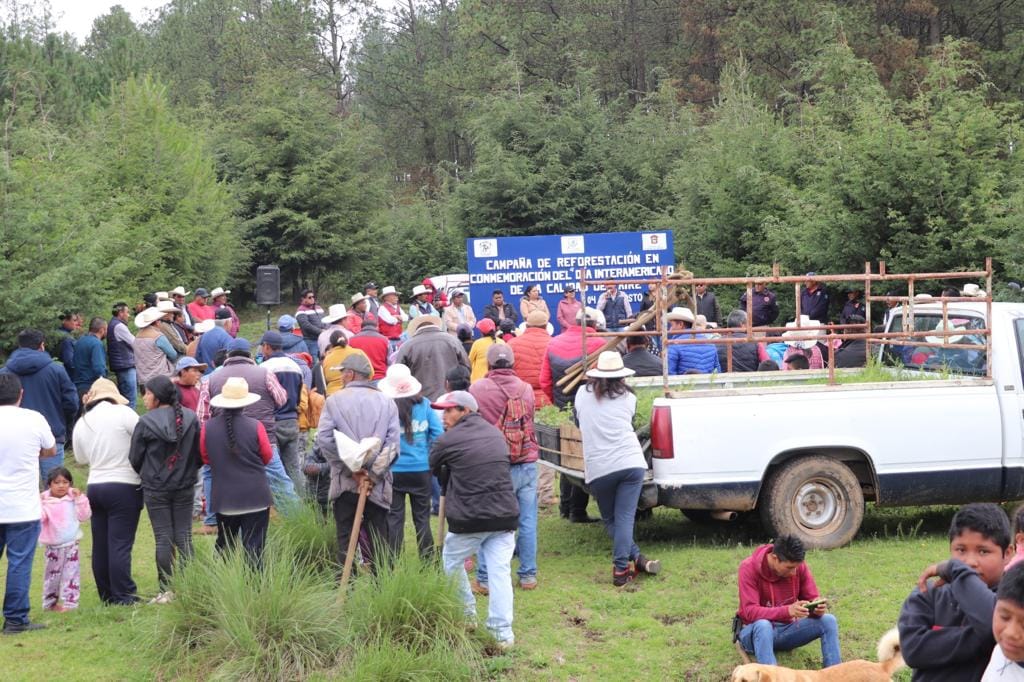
x=811, y=605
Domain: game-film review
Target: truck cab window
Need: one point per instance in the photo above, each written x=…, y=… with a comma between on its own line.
x=933, y=359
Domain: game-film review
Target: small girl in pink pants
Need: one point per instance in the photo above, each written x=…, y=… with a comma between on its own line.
x=63, y=510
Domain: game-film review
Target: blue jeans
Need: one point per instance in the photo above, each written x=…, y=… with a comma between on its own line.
x=127, y=385
x=281, y=485
x=20, y=541
x=48, y=464
x=209, y=519
x=314, y=349
x=763, y=638
x=617, y=495
x=286, y=431
x=496, y=549
x=524, y=483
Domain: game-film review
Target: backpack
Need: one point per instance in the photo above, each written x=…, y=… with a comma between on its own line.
x=517, y=429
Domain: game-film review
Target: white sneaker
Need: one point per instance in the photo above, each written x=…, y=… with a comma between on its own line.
x=507, y=644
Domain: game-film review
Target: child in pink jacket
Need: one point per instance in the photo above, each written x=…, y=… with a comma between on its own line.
x=63, y=510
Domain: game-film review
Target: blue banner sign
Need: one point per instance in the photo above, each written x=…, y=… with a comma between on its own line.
x=511, y=264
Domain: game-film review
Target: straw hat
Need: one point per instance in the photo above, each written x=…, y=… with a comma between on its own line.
x=594, y=314
x=423, y=321
x=148, y=317
x=234, y=394
x=388, y=290
x=103, y=389
x=162, y=296
x=807, y=327
x=203, y=326
x=399, y=382
x=219, y=292
x=179, y=291
x=922, y=297
x=165, y=306
x=334, y=313
x=419, y=289
x=609, y=366
x=680, y=315
x=948, y=327
x=972, y=289
x=356, y=298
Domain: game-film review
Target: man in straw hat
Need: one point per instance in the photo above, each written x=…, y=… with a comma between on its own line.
x=175, y=335
x=420, y=305
x=563, y=352
x=358, y=313
x=336, y=319
x=812, y=332
x=471, y=460
x=390, y=317
x=689, y=358
x=360, y=411
x=178, y=295
x=506, y=401
x=47, y=390
x=430, y=353
x=219, y=301
x=154, y=354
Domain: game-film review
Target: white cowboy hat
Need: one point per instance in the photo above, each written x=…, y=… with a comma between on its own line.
x=387, y=290
x=948, y=327
x=148, y=317
x=179, y=291
x=356, y=298
x=700, y=322
x=806, y=327
x=162, y=296
x=234, y=394
x=972, y=289
x=609, y=366
x=204, y=326
x=419, y=289
x=680, y=315
x=592, y=314
x=166, y=306
x=399, y=382
x=922, y=297
x=219, y=292
x=334, y=313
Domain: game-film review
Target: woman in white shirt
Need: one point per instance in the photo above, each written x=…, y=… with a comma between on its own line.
x=613, y=461
x=102, y=439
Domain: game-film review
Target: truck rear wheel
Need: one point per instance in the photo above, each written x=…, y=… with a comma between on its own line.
x=818, y=499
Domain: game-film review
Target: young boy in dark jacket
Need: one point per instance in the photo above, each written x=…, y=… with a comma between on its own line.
x=472, y=461
x=946, y=627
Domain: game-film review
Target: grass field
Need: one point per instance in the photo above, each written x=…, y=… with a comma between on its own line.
x=576, y=626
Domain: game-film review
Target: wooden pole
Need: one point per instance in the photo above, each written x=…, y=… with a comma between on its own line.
x=350, y=555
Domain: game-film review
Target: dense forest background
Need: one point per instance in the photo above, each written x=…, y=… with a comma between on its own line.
x=345, y=142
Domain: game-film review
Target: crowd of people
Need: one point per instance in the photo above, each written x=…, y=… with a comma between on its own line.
x=232, y=429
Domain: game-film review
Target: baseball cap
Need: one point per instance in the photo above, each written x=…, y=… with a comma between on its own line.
x=357, y=362
x=455, y=399
x=202, y=292
x=486, y=325
x=239, y=345
x=369, y=285
x=500, y=351
x=286, y=323
x=272, y=339
x=223, y=314
x=186, y=362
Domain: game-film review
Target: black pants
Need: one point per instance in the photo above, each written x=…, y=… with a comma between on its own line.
x=572, y=500
x=250, y=529
x=375, y=521
x=417, y=486
x=170, y=513
x=116, y=508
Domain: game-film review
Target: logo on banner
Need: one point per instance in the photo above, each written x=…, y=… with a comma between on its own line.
x=654, y=241
x=572, y=244
x=485, y=248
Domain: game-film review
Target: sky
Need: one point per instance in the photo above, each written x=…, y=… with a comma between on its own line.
x=76, y=16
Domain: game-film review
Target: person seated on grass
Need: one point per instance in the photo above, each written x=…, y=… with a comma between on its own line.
x=798, y=361
x=946, y=627
x=1007, y=662
x=775, y=587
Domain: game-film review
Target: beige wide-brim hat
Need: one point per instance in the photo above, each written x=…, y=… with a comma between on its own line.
x=148, y=317
x=162, y=296
x=422, y=321
x=949, y=327
x=103, y=389
x=972, y=289
x=219, y=292
x=334, y=313
x=388, y=290
x=807, y=327
x=356, y=298
x=399, y=383
x=166, y=306
x=234, y=394
x=419, y=289
x=680, y=315
x=179, y=291
x=609, y=366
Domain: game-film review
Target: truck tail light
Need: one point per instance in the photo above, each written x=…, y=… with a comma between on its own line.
x=661, y=433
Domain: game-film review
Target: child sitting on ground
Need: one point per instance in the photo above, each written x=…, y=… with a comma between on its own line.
x=946, y=627
x=1007, y=662
x=63, y=509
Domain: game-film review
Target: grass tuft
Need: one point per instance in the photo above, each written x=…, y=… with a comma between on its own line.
x=311, y=536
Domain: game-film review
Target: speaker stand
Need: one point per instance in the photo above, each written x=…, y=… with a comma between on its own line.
x=268, y=318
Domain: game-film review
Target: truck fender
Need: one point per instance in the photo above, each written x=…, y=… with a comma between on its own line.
x=858, y=460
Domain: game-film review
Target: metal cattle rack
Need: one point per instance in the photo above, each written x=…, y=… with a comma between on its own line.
x=685, y=288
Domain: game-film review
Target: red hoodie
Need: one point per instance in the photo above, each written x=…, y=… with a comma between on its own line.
x=766, y=596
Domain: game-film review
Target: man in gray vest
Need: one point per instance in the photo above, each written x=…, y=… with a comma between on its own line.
x=272, y=396
x=120, y=354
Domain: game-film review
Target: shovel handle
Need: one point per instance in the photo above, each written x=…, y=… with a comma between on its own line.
x=350, y=555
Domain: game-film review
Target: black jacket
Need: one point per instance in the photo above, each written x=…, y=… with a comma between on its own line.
x=946, y=632
x=154, y=454
x=643, y=362
x=491, y=311
x=851, y=354
x=744, y=356
x=473, y=459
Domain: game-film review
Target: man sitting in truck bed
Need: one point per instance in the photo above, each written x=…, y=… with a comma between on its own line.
x=702, y=357
x=776, y=587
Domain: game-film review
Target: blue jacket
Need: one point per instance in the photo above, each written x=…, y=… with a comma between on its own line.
x=702, y=357
x=288, y=374
x=426, y=427
x=209, y=343
x=66, y=351
x=90, y=361
x=814, y=305
x=48, y=389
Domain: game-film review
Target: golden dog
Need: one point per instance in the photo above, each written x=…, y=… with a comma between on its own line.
x=889, y=657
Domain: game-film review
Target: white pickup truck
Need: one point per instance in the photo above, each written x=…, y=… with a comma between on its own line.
x=807, y=457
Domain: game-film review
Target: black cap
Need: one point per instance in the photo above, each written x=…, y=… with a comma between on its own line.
x=369, y=285
x=222, y=314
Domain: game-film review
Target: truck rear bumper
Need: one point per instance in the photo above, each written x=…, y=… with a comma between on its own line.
x=648, y=494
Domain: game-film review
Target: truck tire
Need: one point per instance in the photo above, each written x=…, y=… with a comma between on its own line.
x=817, y=499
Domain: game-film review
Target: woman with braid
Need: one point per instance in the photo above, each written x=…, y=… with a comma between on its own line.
x=237, y=449
x=165, y=454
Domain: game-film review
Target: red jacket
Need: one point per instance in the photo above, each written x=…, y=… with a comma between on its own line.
x=376, y=348
x=391, y=331
x=766, y=596
x=529, y=350
x=564, y=351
